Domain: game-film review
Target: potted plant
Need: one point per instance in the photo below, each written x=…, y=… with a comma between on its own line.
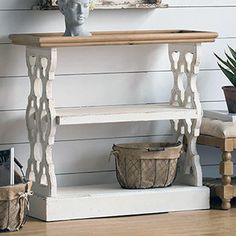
x=228, y=67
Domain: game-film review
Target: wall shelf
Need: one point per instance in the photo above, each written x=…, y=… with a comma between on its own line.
x=106, y=5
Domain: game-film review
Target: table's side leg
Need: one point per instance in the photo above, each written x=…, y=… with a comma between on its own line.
x=187, y=62
x=176, y=99
x=192, y=127
x=41, y=119
x=177, y=92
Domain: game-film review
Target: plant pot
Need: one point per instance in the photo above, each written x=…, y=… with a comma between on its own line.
x=230, y=98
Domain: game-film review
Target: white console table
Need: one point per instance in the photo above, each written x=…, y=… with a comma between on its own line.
x=51, y=203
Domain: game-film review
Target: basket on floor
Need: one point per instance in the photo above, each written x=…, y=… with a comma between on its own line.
x=14, y=206
x=146, y=165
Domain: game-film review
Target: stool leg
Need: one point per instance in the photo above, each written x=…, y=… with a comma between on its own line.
x=225, y=191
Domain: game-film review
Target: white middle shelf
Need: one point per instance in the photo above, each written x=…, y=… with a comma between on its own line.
x=122, y=113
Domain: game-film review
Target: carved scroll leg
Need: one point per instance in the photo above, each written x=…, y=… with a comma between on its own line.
x=40, y=119
x=189, y=167
x=178, y=129
x=192, y=126
x=193, y=170
x=177, y=92
x=32, y=120
x=225, y=191
x=185, y=59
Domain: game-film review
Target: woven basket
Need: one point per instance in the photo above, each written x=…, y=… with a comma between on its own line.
x=146, y=165
x=14, y=206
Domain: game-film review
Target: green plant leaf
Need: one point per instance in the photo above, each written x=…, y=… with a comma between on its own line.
x=229, y=75
x=233, y=62
x=221, y=60
x=231, y=67
x=228, y=66
x=226, y=63
x=232, y=52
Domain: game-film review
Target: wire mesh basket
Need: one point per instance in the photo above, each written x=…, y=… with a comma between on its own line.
x=146, y=165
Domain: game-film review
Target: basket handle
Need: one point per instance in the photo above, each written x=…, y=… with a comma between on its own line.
x=21, y=169
x=112, y=153
x=155, y=149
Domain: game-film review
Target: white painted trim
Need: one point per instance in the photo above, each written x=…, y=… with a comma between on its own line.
x=111, y=114
x=110, y=200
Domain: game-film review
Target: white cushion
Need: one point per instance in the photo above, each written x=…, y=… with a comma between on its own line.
x=218, y=128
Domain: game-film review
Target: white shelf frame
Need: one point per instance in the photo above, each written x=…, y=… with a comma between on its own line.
x=42, y=118
x=184, y=110
x=125, y=113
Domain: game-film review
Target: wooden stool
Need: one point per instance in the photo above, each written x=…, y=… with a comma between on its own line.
x=222, y=135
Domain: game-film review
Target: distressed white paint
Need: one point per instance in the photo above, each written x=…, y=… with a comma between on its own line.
x=110, y=200
x=111, y=114
x=185, y=59
x=42, y=118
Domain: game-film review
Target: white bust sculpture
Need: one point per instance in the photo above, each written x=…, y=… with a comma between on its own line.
x=75, y=12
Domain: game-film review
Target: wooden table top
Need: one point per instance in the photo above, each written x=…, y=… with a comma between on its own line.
x=49, y=40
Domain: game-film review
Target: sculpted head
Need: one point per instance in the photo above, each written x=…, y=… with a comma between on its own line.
x=75, y=12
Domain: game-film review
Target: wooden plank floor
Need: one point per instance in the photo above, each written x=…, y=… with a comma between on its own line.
x=213, y=222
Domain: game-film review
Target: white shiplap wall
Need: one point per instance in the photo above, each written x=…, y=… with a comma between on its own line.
x=108, y=75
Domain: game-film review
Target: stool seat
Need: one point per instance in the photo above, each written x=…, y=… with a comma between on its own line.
x=222, y=135
x=218, y=128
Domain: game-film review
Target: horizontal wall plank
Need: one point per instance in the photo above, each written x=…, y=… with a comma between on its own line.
x=17, y=4
x=108, y=59
x=214, y=105
x=85, y=90
x=209, y=155
x=44, y=21
x=13, y=128
x=184, y=18
x=83, y=155
x=82, y=177
x=110, y=176
x=90, y=59
x=110, y=89
x=213, y=171
x=76, y=179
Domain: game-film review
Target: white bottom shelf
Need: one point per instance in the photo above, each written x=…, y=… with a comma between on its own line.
x=110, y=200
